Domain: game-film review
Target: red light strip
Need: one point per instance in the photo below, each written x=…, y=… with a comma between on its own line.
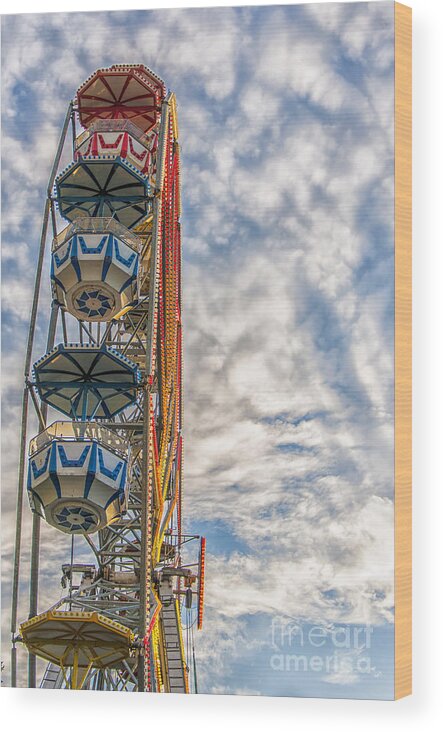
x=201, y=582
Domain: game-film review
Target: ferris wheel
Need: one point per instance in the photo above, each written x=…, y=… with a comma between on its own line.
x=105, y=468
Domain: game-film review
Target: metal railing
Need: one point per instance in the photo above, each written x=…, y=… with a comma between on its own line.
x=98, y=225
x=79, y=431
x=116, y=125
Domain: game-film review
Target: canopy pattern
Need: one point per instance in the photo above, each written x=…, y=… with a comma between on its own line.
x=85, y=382
x=121, y=92
x=78, y=641
x=103, y=186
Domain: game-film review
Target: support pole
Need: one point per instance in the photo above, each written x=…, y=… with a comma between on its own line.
x=38, y=411
x=36, y=521
x=25, y=399
x=33, y=591
x=23, y=436
x=74, y=133
x=145, y=546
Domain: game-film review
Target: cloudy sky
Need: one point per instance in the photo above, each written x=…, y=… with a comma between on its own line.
x=285, y=118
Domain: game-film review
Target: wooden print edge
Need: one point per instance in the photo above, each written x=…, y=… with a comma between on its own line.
x=403, y=350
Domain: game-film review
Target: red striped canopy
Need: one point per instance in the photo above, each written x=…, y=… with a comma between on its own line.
x=121, y=92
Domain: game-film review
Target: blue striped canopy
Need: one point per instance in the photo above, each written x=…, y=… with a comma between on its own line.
x=86, y=382
x=101, y=186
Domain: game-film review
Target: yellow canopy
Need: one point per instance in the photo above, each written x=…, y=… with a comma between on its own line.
x=81, y=640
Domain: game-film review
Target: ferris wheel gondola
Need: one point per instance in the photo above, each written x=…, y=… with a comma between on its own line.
x=78, y=642
x=121, y=92
x=85, y=382
x=94, y=267
x=103, y=186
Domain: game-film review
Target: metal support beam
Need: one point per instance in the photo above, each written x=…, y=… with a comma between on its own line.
x=23, y=434
x=35, y=539
x=33, y=591
x=25, y=398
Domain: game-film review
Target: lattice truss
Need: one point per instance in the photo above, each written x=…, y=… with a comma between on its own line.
x=110, y=475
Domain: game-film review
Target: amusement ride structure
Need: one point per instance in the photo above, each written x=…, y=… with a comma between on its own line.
x=107, y=476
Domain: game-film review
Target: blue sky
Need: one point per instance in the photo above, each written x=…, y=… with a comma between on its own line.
x=285, y=118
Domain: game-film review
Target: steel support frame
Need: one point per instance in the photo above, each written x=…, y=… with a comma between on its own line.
x=35, y=541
